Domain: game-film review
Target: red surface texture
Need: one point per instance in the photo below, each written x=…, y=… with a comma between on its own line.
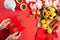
x=30, y=28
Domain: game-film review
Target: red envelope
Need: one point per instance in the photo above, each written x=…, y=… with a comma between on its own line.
x=15, y=25
x=41, y=35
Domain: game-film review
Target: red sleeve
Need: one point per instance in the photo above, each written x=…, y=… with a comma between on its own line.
x=4, y=34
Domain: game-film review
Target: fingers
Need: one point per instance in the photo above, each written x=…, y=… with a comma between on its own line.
x=58, y=17
x=55, y=25
x=14, y=36
x=9, y=37
x=52, y=23
x=18, y=35
x=5, y=21
x=58, y=29
x=15, y=33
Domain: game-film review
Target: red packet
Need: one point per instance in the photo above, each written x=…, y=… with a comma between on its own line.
x=40, y=34
x=15, y=25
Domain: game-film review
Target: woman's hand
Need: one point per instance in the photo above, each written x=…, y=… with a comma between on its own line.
x=14, y=36
x=4, y=23
x=55, y=24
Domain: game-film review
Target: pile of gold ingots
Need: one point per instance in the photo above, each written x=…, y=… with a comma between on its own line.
x=46, y=15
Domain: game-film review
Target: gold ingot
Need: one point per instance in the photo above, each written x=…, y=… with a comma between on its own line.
x=51, y=12
x=54, y=14
x=44, y=26
x=46, y=16
x=43, y=21
x=50, y=17
x=47, y=22
x=38, y=12
x=34, y=12
x=49, y=31
x=53, y=9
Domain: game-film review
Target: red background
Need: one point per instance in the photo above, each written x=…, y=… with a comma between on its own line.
x=31, y=28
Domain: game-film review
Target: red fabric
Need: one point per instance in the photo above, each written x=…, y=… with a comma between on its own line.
x=41, y=35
